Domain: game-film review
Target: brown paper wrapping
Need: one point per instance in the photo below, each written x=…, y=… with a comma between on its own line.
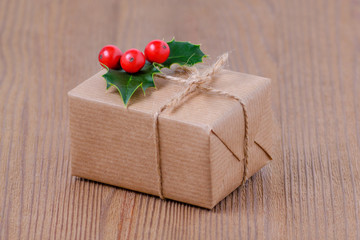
x=200, y=141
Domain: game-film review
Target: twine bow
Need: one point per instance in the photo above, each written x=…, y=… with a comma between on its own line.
x=197, y=81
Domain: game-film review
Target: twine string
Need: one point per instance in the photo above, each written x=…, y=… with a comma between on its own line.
x=194, y=80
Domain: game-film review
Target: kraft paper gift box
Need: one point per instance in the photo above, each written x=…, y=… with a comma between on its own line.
x=201, y=142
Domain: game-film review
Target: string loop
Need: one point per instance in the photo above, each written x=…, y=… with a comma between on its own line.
x=194, y=80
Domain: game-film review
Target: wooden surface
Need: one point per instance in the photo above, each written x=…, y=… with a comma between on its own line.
x=309, y=48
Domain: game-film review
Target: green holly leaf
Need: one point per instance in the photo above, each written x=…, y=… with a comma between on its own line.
x=183, y=53
x=127, y=83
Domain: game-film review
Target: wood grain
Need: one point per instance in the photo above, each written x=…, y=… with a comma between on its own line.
x=309, y=48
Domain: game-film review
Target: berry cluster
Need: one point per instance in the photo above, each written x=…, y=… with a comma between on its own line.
x=133, y=60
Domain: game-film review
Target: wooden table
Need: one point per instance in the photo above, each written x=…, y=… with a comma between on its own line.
x=311, y=51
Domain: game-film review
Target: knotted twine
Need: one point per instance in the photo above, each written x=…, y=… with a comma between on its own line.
x=193, y=82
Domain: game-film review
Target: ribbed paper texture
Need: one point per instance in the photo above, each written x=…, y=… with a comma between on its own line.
x=201, y=141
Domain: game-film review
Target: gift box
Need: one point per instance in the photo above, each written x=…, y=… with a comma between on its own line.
x=196, y=153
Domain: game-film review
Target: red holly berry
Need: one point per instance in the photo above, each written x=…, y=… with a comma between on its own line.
x=110, y=56
x=132, y=60
x=157, y=51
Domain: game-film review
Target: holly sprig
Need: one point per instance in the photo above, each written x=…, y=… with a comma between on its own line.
x=181, y=53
